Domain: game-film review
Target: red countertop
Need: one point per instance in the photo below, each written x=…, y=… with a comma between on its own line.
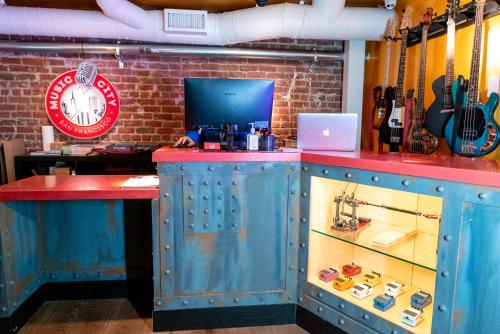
x=459, y=169
x=79, y=187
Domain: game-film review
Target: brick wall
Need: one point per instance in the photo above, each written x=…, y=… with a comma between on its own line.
x=152, y=94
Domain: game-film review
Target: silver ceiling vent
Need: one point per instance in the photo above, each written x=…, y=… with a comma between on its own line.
x=185, y=22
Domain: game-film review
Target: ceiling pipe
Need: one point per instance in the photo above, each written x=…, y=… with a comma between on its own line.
x=325, y=19
x=109, y=48
x=125, y=12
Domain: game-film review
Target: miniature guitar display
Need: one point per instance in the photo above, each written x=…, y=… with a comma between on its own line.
x=380, y=92
x=441, y=109
x=478, y=133
x=419, y=140
x=391, y=130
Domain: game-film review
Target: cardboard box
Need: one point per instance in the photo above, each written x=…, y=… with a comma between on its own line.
x=11, y=148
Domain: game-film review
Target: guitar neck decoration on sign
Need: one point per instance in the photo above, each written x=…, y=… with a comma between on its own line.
x=82, y=104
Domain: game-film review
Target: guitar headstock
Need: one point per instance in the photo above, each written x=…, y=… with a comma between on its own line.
x=427, y=16
x=453, y=9
x=406, y=19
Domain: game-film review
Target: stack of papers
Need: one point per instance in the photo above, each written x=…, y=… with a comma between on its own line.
x=148, y=181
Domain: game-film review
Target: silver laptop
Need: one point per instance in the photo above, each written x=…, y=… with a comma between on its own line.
x=335, y=132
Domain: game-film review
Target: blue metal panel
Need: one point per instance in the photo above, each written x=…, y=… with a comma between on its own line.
x=477, y=297
x=83, y=240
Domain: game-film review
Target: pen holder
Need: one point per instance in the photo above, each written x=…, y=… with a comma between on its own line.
x=269, y=143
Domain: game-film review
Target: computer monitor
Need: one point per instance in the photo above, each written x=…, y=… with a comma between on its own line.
x=214, y=102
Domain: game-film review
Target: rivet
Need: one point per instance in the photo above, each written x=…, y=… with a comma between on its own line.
x=444, y=274
x=234, y=210
x=183, y=168
x=211, y=301
x=166, y=221
x=205, y=183
x=302, y=245
x=291, y=243
x=341, y=321
x=205, y=211
x=305, y=168
x=234, y=183
x=439, y=189
x=325, y=171
x=8, y=254
x=166, y=194
x=219, y=211
x=233, y=225
x=4, y=309
x=262, y=167
x=167, y=272
x=123, y=274
x=185, y=302
x=205, y=225
x=291, y=267
x=304, y=194
x=219, y=225
x=442, y=308
x=190, y=183
x=158, y=303
x=210, y=168
x=294, y=168
x=293, y=192
x=77, y=276
x=167, y=247
x=219, y=183
x=447, y=237
x=191, y=211
x=375, y=178
x=320, y=309
x=2, y=286
x=483, y=196
x=303, y=219
x=11, y=282
x=320, y=294
x=301, y=299
x=290, y=297
x=366, y=317
x=302, y=270
x=100, y=274
x=53, y=276
x=292, y=219
x=406, y=183
x=219, y=198
x=205, y=197
x=236, y=167
x=191, y=225
x=394, y=331
x=342, y=306
x=234, y=197
x=14, y=304
x=191, y=197
x=236, y=300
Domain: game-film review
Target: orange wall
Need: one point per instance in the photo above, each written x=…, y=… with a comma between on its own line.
x=436, y=53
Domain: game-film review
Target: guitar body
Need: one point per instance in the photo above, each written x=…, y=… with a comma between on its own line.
x=390, y=133
x=378, y=112
x=478, y=134
x=419, y=140
x=437, y=115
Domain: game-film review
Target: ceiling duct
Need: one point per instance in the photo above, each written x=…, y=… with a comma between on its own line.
x=324, y=19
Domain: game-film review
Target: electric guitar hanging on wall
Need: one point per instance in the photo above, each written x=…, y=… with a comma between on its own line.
x=419, y=140
x=442, y=108
x=381, y=93
x=478, y=133
x=391, y=130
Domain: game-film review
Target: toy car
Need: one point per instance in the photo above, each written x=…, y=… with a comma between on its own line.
x=373, y=278
x=394, y=288
x=412, y=316
x=343, y=283
x=327, y=275
x=351, y=270
x=361, y=290
x=420, y=299
x=384, y=302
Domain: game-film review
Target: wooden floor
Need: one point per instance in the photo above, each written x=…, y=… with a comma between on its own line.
x=111, y=316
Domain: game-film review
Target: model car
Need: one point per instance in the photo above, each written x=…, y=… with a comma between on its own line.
x=327, y=275
x=351, y=270
x=361, y=290
x=394, y=288
x=384, y=302
x=412, y=316
x=373, y=278
x=343, y=283
x=420, y=299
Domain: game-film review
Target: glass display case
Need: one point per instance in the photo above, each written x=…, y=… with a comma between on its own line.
x=376, y=248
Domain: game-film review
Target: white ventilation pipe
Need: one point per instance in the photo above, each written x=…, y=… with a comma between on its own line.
x=125, y=12
x=325, y=19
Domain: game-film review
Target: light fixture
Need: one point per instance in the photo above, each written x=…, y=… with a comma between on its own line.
x=261, y=3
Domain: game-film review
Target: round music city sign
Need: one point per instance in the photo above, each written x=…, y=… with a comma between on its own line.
x=80, y=111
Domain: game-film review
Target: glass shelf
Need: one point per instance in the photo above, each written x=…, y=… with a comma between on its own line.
x=417, y=248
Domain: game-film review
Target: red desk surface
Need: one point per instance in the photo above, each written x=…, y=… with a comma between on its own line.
x=459, y=169
x=79, y=187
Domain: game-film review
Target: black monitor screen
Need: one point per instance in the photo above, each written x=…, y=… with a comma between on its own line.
x=214, y=102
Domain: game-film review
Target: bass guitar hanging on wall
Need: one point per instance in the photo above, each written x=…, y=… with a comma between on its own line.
x=478, y=133
x=419, y=140
x=391, y=130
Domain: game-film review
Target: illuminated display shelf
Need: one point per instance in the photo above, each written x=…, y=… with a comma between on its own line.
x=393, y=314
x=404, y=250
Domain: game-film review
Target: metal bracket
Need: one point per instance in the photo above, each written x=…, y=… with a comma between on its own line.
x=118, y=56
